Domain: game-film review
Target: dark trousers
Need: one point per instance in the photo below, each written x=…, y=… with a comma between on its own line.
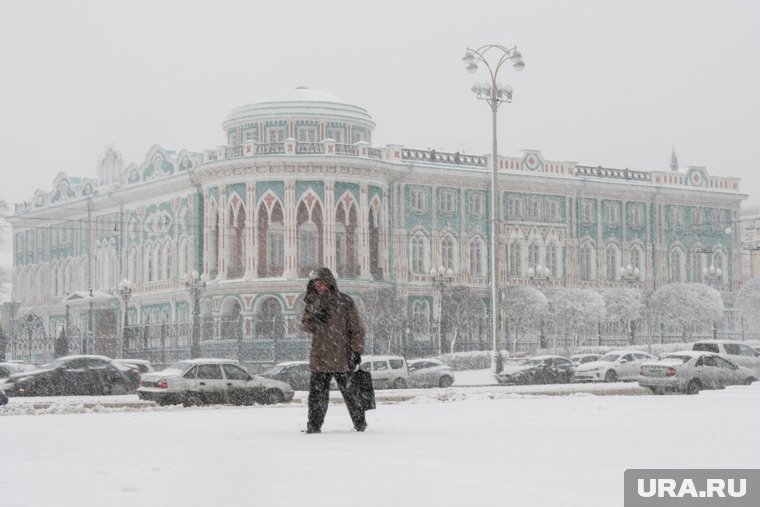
x=319, y=399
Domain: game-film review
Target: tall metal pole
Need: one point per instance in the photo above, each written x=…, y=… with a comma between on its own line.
x=495, y=300
x=195, y=346
x=494, y=94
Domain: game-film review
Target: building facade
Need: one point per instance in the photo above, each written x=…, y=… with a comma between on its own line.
x=104, y=263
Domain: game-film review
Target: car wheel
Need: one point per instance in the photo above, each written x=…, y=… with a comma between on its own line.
x=164, y=402
x=192, y=399
x=657, y=390
x=693, y=387
x=445, y=381
x=272, y=397
x=399, y=383
x=749, y=381
x=610, y=376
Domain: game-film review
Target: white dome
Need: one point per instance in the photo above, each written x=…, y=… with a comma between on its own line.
x=301, y=102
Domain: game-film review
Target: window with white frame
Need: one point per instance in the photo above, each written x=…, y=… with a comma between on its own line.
x=275, y=134
x=307, y=245
x=587, y=211
x=337, y=134
x=587, y=262
x=697, y=263
x=634, y=258
x=419, y=251
x=676, y=217
x=534, y=209
x=275, y=246
x=307, y=134
x=516, y=207
x=447, y=201
x=552, y=210
x=637, y=214
x=417, y=197
x=676, y=266
x=533, y=255
x=476, y=257
x=475, y=204
x=447, y=252
x=717, y=261
x=697, y=218
x=552, y=259
x=612, y=214
x=717, y=219
x=514, y=253
x=612, y=264
x=420, y=318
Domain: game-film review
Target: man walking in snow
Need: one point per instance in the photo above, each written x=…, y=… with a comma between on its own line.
x=337, y=342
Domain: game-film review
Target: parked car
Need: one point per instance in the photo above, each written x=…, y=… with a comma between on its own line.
x=690, y=372
x=429, y=373
x=577, y=359
x=74, y=375
x=202, y=381
x=8, y=368
x=294, y=373
x=538, y=370
x=613, y=366
x=386, y=371
x=141, y=364
x=738, y=352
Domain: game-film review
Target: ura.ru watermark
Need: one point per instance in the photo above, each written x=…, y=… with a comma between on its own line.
x=692, y=487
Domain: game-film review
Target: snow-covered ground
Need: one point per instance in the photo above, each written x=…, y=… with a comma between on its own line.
x=462, y=446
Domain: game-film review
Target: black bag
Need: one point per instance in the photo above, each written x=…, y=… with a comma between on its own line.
x=362, y=390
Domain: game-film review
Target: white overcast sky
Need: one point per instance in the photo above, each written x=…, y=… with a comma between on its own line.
x=609, y=83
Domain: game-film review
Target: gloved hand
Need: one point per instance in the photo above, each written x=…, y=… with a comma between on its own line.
x=317, y=313
x=356, y=360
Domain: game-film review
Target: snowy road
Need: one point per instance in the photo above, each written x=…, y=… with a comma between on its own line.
x=478, y=446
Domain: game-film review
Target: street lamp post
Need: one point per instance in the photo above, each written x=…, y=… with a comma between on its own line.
x=712, y=277
x=125, y=290
x=539, y=275
x=629, y=275
x=195, y=285
x=440, y=277
x=494, y=94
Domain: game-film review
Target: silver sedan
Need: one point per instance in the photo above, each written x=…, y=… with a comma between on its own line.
x=691, y=371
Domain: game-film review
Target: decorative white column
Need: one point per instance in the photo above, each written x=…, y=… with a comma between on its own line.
x=291, y=230
x=221, y=258
x=364, y=272
x=251, y=244
x=329, y=227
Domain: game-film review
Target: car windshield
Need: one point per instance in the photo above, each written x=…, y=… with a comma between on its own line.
x=179, y=367
x=533, y=362
x=675, y=357
x=53, y=364
x=274, y=370
x=609, y=358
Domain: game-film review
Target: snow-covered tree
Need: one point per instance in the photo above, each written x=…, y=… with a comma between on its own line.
x=524, y=309
x=461, y=312
x=576, y=309
x=748, y=302
x=683, y=304
x=384, y=318
x=624, y=305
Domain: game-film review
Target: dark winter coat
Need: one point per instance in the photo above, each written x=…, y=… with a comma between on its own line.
x=335, y=326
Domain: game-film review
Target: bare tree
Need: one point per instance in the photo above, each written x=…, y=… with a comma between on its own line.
x=683, y=304
x=384, y=318
x=461, y=312
x=576, y=309
x=5, y=271
x=748, y=301
x=525, y=308
x=624, y=305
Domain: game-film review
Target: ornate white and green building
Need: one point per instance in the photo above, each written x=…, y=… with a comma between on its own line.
x=298, y=185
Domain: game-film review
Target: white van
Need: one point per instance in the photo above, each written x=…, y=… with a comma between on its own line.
x=386, y=371
x=737, y=352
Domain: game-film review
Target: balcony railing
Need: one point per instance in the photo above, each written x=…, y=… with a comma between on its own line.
x=606, y=172
x=443, y=157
